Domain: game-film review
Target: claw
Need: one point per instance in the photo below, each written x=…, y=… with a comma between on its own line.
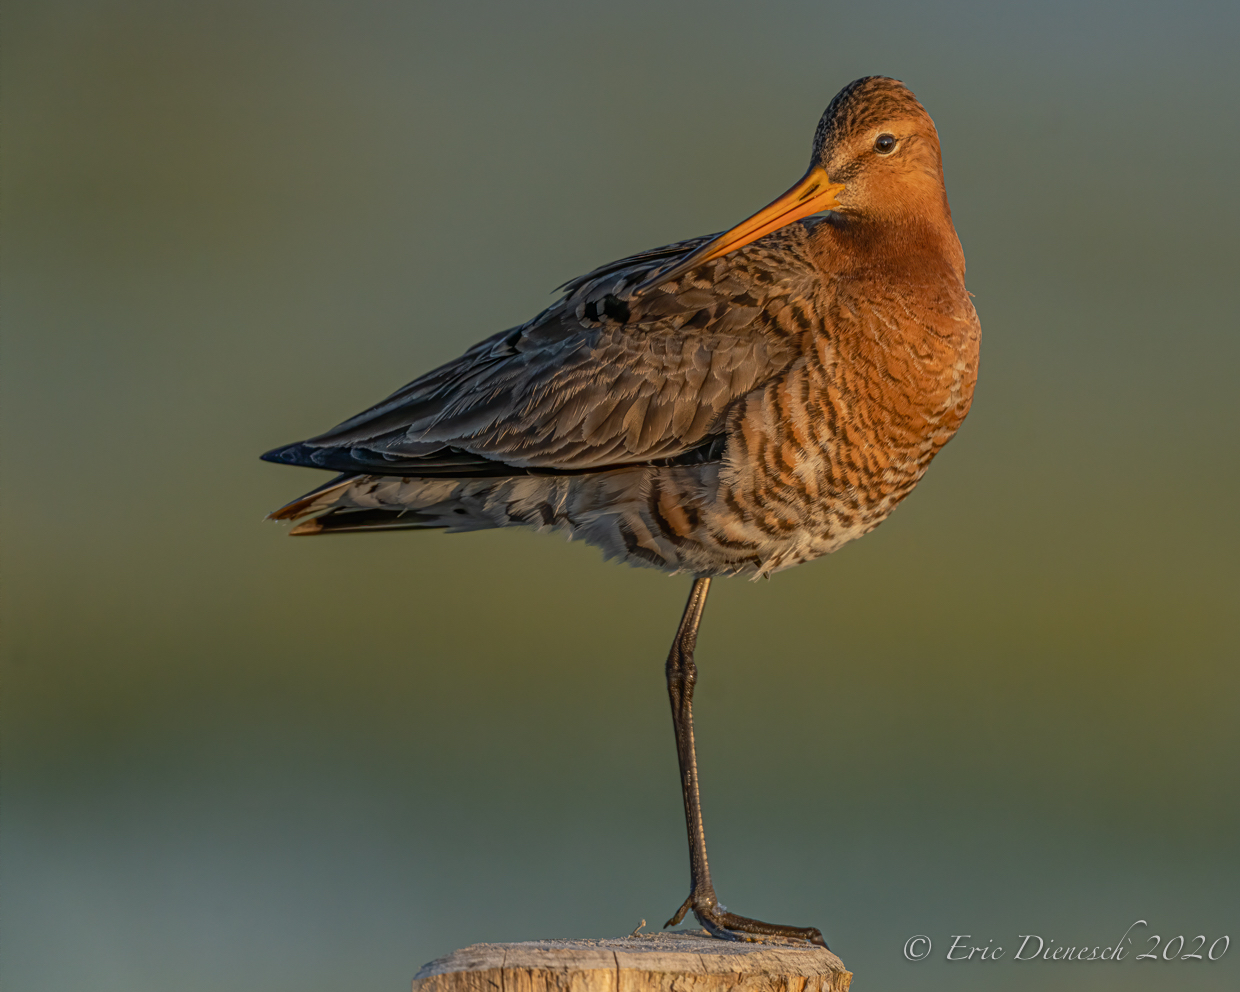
x=680, y=913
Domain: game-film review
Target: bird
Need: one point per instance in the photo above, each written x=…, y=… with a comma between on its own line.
x=733, y=404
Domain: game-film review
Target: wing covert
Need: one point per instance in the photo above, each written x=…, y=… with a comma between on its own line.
x=601, y=378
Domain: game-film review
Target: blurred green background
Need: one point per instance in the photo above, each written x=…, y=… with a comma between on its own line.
x=237, y=761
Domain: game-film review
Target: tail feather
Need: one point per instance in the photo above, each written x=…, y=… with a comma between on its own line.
x=349, y=520
x=315, y=499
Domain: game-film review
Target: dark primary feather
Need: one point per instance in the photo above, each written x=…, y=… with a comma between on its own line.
x=598, y=380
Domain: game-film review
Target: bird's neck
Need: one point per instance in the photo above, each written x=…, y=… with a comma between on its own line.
x=906, y=248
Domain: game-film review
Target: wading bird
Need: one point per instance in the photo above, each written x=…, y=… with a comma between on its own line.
x=725, y=405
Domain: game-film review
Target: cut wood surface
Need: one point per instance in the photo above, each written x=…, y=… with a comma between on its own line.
x=670, y=962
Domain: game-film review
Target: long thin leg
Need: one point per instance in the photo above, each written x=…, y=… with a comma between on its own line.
x=681, y=677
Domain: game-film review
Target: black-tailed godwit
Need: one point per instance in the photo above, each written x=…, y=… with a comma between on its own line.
x=726, y=405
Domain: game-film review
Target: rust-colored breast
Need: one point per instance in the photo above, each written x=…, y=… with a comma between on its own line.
x=824, y=453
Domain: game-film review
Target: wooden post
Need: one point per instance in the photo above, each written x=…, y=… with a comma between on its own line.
x=662, y=962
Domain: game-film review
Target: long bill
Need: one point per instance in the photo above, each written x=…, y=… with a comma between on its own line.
x=813, y=194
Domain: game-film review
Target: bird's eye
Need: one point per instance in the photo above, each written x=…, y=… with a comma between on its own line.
x=884, y=143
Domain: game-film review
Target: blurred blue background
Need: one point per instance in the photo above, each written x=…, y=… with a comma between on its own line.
x=237, y=761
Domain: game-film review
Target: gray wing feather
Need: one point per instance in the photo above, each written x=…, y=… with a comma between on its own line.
x=601, y=378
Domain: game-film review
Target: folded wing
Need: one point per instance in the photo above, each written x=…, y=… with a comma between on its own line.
x=600, y=379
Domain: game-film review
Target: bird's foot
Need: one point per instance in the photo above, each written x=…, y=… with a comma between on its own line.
x=728, y=926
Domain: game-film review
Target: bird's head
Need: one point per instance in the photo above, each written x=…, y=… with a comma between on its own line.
x=879, y=144
x=875, y=157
